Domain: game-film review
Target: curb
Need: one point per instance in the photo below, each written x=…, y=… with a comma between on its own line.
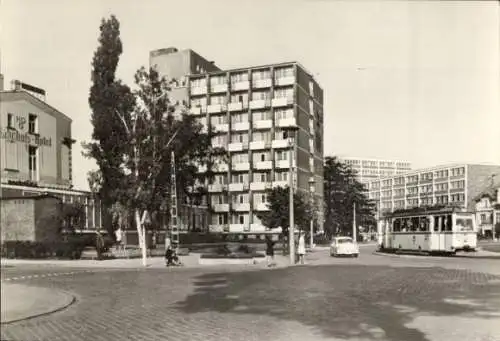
x=383, y=254
x=70, y=302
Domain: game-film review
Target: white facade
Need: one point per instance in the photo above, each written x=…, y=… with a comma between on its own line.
x=371, y=169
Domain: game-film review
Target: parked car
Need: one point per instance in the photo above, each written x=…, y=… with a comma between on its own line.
x=344, y=246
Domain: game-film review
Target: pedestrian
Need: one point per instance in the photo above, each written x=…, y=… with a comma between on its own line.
x=171, y=257
x=269, y=251
x=301, y=249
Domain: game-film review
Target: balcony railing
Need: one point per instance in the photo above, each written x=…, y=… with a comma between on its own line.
x=245, y=207
x=262, y=124
x=282, y=143
x=221, y=207
x=287, y=122
x=288, y=80
x=216, y=108
x=242, y=85
x=218, y=88
x=260, y=186
x=214, y=188
x=262, y=83
x=282, y=101
x=238, y=187
x=261, y=206
x=263, y=165
x=242, y=166
x=256, y=145
x=221, y=127
x=237, y=106
x=199, y=90
x=240, y=126
x=259, y=103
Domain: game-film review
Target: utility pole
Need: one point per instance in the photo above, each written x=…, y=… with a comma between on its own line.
x=173, y=205
x=354, y=238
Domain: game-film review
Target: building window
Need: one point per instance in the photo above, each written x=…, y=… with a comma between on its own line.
x=241, y=219
x=32, y=162
x=32, y=124
x=10, y=121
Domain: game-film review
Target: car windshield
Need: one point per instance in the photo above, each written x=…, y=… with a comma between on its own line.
x=344, y=241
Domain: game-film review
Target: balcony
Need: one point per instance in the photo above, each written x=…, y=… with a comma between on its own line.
x=238, y=187
x=256, y=145
x=289, y=80
x=199, y=90
x=237, y=228
x=235, y=106
x=216, y=108
x=259, y=103
x=282, y=164
x=222, y=128
x=219, y=145
x=287, y=122
x=245, y=207
x=221, y=207
x=216, y=88
x=283, y=143
x=262, y=124
x=240, y=126
x=216, y=228
x=263, y=165
x=259, y=228
x=238, y=86
x=261, y=206
x=202, y=169
x=260, y=186
x=222, y=167
x=281, y=102
x=262, y=83
x=280, y=184
x=235, y=147
x=242, y=166
x=197, y=111
x=215, y=188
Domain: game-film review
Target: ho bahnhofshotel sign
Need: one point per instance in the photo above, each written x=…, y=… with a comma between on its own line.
x=33, y=139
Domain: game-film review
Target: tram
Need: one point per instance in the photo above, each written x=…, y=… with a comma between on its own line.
x=444, y=230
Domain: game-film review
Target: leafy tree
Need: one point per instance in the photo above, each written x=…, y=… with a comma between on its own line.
x=341, y=191
x=279, y=214
x=73, y=217
x=107, y=96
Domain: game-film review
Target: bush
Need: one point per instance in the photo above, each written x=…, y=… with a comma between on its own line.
x=69, y=249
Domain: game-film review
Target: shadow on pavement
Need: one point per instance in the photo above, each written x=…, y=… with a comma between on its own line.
x=369, y=302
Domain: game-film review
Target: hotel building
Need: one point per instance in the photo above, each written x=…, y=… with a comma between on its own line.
x=252, y=110
x=368, y=170
x=457, y=185
x=35, y=151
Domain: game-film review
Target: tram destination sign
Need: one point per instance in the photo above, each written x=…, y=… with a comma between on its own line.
x=15, y=136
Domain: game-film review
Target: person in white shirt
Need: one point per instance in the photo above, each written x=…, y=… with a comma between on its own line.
x=301, y=249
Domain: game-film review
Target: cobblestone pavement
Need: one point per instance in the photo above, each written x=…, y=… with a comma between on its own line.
x=369, y=298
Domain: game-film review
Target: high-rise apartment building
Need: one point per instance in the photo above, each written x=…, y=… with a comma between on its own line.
x=371, y=169
x=457, y=185
x=252, y=110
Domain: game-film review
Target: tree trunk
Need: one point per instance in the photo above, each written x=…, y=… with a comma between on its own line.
x=141, y=234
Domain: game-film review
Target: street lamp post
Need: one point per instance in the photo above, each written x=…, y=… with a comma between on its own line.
x=291, y=228
x=312, y=189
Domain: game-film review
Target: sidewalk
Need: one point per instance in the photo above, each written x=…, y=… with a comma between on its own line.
x=21, y=302
x=479, y=254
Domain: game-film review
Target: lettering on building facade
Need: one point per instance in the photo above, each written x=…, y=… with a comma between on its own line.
x=15, y=136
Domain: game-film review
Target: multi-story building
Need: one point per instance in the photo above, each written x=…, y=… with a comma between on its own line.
x=488, y=209
x=35, y=150
x=457, y=185
x=252, y=110
x=371, y=169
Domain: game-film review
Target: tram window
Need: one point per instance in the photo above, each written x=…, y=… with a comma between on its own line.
x=396, y=227
x=405, y=225
x=446, y=223
x=424, y=224
x=414, y=224
x=436, y=224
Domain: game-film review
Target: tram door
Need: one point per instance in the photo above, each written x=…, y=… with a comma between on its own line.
x=438, y=237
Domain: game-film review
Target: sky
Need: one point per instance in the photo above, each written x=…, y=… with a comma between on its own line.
x=416, y=81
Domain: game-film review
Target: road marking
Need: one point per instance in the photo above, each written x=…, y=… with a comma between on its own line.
x=53, y=274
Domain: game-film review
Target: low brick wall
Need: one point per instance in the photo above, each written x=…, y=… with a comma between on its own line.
x=230, y=261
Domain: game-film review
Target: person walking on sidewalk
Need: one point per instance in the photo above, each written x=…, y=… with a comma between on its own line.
x=301, y=249
x=270, y=251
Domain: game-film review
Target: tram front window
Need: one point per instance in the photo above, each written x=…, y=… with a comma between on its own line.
x=464, y=224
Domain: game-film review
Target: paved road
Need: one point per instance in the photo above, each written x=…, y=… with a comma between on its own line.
x=369, y=298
